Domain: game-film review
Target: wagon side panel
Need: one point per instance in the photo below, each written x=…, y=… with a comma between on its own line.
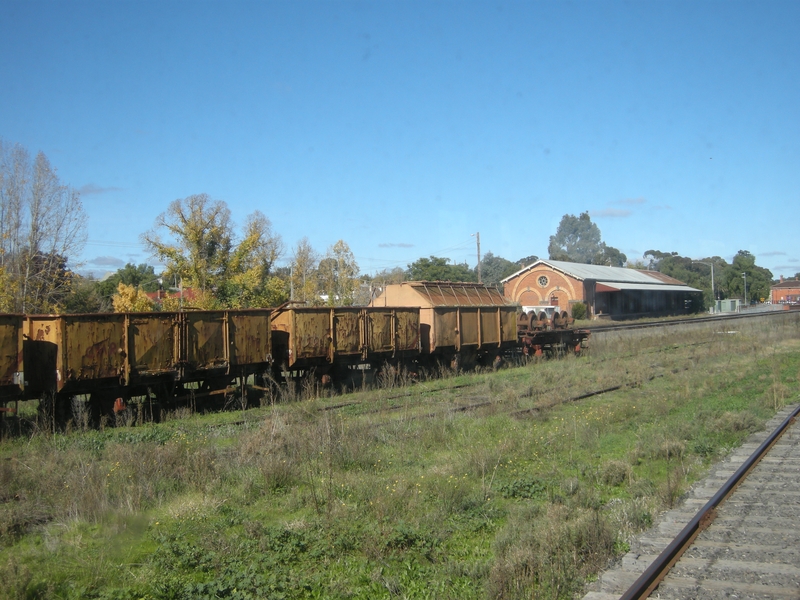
x=347, y=331
x=93, y=347
x=445, y=328
x=152, y=343
x=250, y=338
x=469, y=327
x=490, y=325
x=311, y=334
x=407, y=332
x=10, y=354
x=508, y=325
x=205, y=341
x=379, y=330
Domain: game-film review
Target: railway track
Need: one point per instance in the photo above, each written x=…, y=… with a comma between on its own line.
x=682, y=321
x=743, y=542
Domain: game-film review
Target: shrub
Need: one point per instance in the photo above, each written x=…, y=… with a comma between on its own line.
x=616, y=472
x=579, y=310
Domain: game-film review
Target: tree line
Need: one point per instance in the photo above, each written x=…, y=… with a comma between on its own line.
x=210, y=264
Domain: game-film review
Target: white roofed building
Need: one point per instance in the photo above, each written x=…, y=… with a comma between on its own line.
x=614, y=292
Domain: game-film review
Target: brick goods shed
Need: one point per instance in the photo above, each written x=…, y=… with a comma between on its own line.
x=606, y=291
x=787, y=291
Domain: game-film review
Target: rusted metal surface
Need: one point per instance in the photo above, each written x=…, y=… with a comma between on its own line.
x=406, y=333
x=205, y=344
x=393, y=331
x=94, y=347
x=305, y=337
x=347, y=332
x=152, y=345
x=70, y=352
x=443, y=324
x=249, y=338
x=10, y=356
x=476, y=328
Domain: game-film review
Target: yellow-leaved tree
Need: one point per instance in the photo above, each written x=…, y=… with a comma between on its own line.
x=195, y=240
x=131, y=299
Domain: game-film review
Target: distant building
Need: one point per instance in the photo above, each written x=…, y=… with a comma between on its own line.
x=787, y=291
x=613, y=292
x=186, y=295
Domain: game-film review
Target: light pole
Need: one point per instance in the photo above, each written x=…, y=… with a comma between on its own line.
x=477, y=237
x=713, y=296
x=745, y=289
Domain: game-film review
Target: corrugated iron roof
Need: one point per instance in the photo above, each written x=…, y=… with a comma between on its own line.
x=446, y=293
x=651, y=287
x=582, y=272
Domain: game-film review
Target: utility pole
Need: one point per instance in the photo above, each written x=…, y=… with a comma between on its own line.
x=478, y=240
x=710, y=264
x=746, y=303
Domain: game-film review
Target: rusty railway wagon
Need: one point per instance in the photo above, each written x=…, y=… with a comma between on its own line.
x=332, y=343
x=11, y=384
x=156, y=360
x=160, y=358
x=461, y=324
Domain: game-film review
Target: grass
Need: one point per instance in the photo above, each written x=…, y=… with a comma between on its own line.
x=488, y=485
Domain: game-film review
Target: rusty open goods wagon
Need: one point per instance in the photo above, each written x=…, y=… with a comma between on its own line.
x=160, y=355
x=11, y=376
x=335, y=339
x=460, y=323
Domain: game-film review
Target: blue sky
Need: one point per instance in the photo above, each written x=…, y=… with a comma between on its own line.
x=405, y=127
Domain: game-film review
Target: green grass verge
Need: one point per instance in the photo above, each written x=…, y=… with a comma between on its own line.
x=496, y=484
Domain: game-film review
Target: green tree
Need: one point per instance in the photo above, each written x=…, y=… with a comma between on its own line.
x=692, y=272
x=609, y=256
x=85, y=297
x=338, y=275
x=439, y=269
x=577, y=239
x=495, y=268
x=528, y=260
x=759, y=279
x=394, y=275
x=142, y=275
x=251, y=279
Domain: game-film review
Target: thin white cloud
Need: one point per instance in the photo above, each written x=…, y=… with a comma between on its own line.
x=91, y=188
x=398, y=245
x=775, y=253
x=630, y=201
x=614, y=213
x=107, y=261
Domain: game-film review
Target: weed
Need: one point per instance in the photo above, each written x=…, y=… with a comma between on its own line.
x=616, y=472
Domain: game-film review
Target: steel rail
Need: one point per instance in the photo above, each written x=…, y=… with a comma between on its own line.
x=684, y=321
x=653, y=575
